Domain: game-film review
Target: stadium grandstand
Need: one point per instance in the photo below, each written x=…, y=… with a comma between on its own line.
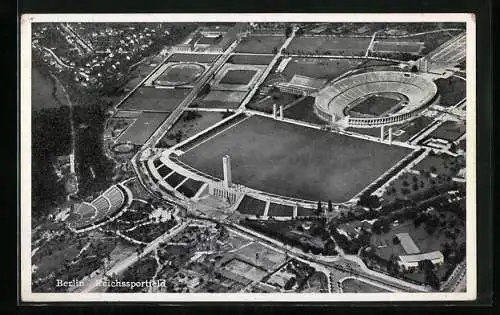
x=99, y=210
x=301, y=85
x=334, y=102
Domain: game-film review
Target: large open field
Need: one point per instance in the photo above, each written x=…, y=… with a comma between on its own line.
x=320, y=68
x=294, y=161
x=155, y=99
x=142, y=128
x=345, y=46
x=260, y=44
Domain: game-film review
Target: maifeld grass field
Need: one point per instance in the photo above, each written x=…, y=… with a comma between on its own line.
x=294, y=161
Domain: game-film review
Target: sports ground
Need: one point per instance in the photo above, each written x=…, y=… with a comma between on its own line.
x=142, y=128
x=354, y=46
x=260, y=44
x=294, y=161
x=155, y=99
x=320, y=68
x=201, y=58
x=179, y=74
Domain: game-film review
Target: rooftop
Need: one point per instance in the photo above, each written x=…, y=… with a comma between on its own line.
x=408, y=244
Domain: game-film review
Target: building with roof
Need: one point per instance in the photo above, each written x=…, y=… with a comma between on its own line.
x=412, y=261
x=407, y=243
x=301, y=85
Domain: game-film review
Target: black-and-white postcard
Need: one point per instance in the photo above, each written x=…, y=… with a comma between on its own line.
x=248, y=157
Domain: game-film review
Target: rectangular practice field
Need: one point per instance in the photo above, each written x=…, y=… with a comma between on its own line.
x=238, y=76
x=260, y=44
x=142, y=128
x=201, y=58
x=449, y=130
x=294, y=161
x=345, y=46
x=409, y=47
x=155, y=99
x=251, y=59
x=320, y=68
x=222, y=99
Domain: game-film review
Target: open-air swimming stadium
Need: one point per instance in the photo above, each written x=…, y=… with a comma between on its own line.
x=335, y=101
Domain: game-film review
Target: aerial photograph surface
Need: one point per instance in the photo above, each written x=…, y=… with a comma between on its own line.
x=248, y=157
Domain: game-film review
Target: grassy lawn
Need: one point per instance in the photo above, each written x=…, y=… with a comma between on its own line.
x=260, y=44
x=238, y=76
x=449, y=130
x=304, y=111
x=155, y=99
x=221, y=99
x=295, y=161
x=277, y=210
x=265, y=103
x=189, y=124
x=410, y=47
x=412, y=127
x=356, y=286
x=250, y=205
x=320, y=68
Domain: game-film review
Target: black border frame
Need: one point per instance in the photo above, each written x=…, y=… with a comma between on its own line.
x=482, y=10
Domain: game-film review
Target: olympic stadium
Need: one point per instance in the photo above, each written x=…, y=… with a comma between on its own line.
x=346, y=101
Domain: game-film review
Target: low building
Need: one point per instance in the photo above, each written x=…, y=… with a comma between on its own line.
x=407, y=243
x=301, y=85
x=412, y=261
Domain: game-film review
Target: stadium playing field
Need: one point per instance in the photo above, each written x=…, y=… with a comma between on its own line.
x=294, y=161
x=376, y=105
x=155, y=99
